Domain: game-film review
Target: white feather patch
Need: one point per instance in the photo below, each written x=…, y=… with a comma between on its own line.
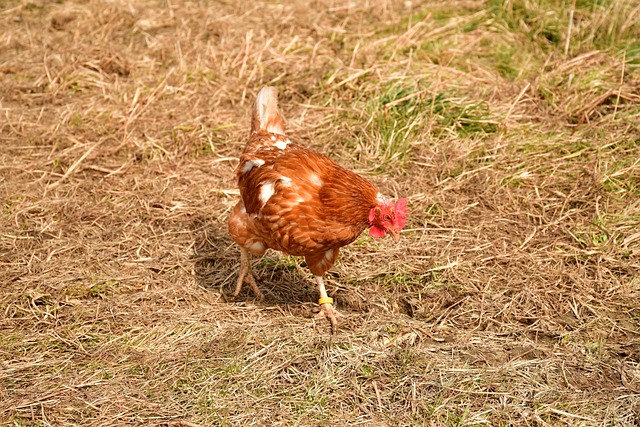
x=282, y=144
x=266, y=191
x=315, y=179
x=257, y=246
x=249, y=164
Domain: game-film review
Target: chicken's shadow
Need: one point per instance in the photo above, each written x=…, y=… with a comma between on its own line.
x=216, y=262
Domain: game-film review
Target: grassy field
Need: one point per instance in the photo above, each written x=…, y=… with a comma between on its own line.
x=513, y=298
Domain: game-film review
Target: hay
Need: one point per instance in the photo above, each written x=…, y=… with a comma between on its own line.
x=512, y=298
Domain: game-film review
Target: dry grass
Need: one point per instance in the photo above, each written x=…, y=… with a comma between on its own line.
x=512, y=299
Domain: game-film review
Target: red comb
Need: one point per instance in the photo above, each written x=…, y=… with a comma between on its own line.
x=401, y=211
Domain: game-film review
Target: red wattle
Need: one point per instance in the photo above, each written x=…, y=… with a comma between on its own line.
x=377, y=231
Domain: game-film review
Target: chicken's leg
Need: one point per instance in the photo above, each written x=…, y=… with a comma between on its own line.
x=326, y=306
x=246, y=274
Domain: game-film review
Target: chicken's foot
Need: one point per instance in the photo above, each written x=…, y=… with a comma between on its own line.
x=326, y=306
x=246, y=274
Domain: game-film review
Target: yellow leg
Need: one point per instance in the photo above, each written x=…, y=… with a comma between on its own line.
x=246, y=274
x=326, y=306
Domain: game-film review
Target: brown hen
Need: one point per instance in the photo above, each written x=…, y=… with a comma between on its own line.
x=298, y=201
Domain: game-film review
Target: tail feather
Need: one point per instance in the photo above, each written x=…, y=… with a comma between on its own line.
x=265, y=115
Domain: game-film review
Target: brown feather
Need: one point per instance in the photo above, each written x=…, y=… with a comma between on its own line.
x=294, y=199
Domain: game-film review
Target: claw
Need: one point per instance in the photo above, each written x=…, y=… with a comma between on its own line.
x=246, y=275
x=327, y=311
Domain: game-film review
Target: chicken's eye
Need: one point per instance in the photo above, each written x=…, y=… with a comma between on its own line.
x=387, y=218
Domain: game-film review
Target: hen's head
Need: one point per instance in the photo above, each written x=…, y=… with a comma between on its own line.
x=388, y=217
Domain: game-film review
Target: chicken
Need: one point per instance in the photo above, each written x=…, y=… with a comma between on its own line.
x=298, y=201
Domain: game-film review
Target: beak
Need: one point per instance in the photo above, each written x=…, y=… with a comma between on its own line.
x=395, y=233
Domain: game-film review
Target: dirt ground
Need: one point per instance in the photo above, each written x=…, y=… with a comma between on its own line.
x=512, y=299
